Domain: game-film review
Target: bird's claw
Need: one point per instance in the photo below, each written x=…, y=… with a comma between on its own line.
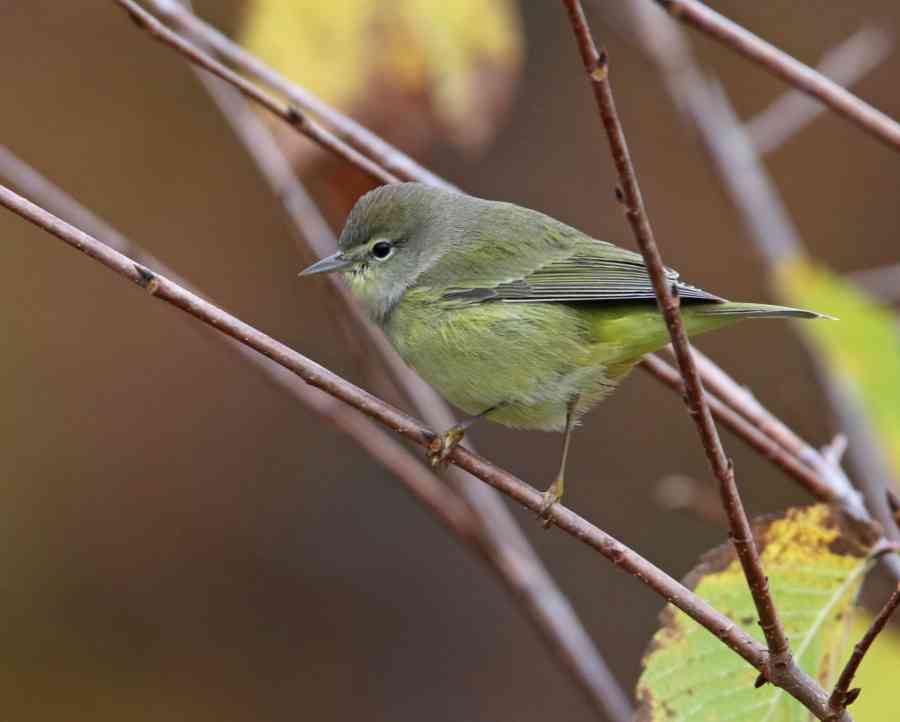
x=442, y=444
x=551, y=496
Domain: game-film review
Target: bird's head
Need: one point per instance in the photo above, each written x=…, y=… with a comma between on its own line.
x=393, y=234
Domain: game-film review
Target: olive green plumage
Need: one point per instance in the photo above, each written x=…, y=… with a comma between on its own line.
x=506, y=310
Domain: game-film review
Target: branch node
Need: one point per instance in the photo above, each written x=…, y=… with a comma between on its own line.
x=146, y=277
x=601, y=67
x=295, y=117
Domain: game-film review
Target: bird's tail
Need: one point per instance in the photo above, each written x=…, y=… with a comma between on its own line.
x=738, y=311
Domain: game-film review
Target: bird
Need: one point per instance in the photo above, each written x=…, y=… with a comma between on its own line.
x=510, y=314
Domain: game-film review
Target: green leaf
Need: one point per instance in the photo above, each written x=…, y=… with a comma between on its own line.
x=862, y=348
x=815, y=571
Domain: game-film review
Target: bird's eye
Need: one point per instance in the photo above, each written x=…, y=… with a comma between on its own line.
x=382, y=250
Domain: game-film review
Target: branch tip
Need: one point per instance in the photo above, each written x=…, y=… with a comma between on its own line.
x=842, y=695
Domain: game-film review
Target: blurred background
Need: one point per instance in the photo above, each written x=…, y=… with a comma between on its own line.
x=181, y=541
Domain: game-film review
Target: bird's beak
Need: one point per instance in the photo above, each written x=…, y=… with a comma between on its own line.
x=334, y=262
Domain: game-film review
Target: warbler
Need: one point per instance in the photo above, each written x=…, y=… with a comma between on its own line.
x=510, y=314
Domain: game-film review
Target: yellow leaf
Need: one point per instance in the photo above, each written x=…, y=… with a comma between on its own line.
x=447, y=52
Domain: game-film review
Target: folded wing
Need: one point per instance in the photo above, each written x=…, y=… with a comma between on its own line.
x=596, y=272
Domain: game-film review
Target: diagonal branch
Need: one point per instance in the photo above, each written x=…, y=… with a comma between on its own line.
x=786, y=67
x=780, y=664
x=842, y=694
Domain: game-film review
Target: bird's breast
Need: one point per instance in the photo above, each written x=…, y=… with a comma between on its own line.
x=528, y=359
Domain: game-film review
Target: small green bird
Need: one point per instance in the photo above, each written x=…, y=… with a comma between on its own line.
x=512, y=315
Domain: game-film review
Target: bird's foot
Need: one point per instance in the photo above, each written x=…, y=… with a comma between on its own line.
x=551, y=496
x=442, y=444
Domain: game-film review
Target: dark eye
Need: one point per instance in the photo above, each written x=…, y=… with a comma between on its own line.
x=382, y=250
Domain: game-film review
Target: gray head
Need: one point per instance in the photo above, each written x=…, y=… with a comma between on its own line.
x=393, y=234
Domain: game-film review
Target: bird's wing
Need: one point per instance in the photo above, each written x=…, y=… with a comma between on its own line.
x=593, y=271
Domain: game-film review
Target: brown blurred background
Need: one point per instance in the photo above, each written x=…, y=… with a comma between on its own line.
x=179, y=541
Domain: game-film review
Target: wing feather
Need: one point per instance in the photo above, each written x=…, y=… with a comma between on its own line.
x=611, y=274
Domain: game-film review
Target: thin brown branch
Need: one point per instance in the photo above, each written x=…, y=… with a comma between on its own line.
x=500, y=540
x=842, y=694
x=315, y=375
x=386, y=155
x=786, y=67
x=845, y=64
x=288, y=113
x=780, y=668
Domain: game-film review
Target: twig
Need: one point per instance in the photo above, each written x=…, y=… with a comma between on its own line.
x=842, y=694
x=845, y=64
x=386, y=155
x=780, y=666
x=288, y=113
x=786, y=67
x=500, y=540
x=800, y=685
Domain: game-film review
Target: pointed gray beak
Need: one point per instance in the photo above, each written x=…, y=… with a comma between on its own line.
x=328, y=264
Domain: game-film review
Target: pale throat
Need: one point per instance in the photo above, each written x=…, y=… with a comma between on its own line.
x=377, y=297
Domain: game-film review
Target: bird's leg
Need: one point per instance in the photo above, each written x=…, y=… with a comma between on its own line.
x=555, y=491
x=442, y=444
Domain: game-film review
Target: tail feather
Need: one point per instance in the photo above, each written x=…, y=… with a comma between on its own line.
x=755, y=310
